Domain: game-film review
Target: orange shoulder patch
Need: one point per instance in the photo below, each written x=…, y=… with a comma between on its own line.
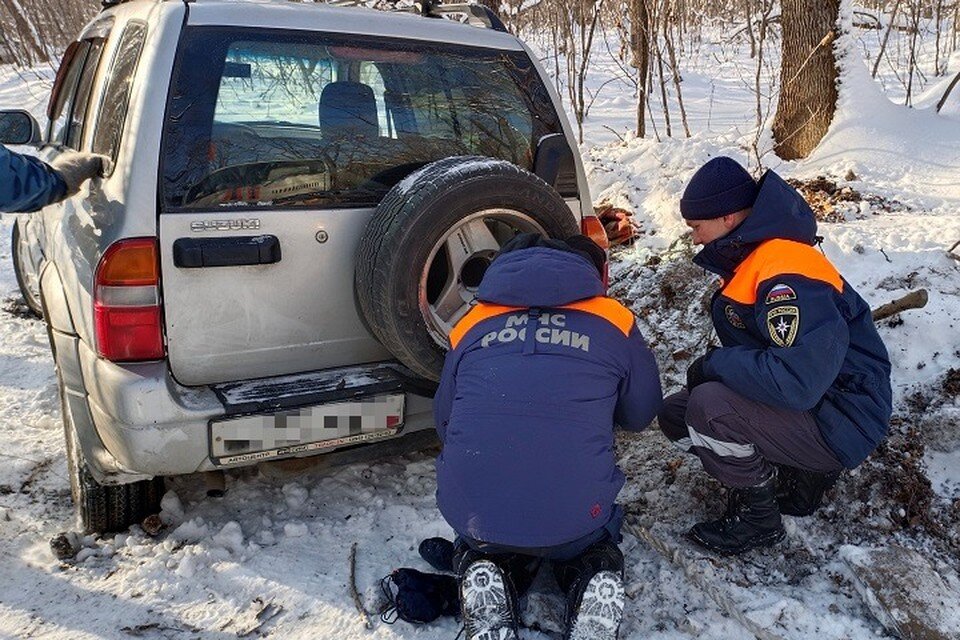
x=608, y=309
x=778, y=258
x=480, y=312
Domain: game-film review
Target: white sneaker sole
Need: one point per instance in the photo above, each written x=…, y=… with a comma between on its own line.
x=485, y=603
x=601, y=609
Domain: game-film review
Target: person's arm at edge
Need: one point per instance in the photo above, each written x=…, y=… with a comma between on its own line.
x=640, y=396
x=27, y=184
x=446, y=392
x=796, y=376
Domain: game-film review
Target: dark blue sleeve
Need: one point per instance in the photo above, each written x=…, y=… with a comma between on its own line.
x=27, y=184
x=640, y=394
x=807, y=343
x=446, y=392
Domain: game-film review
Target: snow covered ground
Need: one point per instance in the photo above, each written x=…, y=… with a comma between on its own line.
x=271, y=558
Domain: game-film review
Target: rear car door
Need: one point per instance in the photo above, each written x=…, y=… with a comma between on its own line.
x=277, y=147
x=67, y=112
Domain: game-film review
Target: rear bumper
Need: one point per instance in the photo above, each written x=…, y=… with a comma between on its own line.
x=152, y=426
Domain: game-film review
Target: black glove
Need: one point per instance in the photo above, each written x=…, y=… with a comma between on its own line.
x=695, y=374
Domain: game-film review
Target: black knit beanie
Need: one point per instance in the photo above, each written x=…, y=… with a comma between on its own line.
x=718, y=188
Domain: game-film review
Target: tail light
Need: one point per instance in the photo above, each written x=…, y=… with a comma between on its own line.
x=126, y=302
x=591, y=227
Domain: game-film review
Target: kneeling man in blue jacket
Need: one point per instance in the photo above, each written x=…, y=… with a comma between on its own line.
x=539, y=373
x=800, y=388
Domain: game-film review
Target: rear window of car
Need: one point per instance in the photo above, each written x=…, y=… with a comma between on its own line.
x=305, y=119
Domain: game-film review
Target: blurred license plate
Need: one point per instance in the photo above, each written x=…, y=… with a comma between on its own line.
x=308, y=429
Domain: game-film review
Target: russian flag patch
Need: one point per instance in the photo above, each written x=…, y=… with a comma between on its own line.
x=781, y=293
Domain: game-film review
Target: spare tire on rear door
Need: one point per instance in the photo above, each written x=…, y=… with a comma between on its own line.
x=423, y=254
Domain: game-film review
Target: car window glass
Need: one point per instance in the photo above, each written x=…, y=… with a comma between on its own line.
x=266, y=118
x=116, y=97
x=82, y=101
x=65, y=89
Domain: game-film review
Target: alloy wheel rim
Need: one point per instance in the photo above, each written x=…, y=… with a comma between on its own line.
x=457, y=262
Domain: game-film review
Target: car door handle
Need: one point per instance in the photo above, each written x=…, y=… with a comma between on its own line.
x=234, y=251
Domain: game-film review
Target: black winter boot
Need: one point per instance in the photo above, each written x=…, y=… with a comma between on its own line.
x=752, y=519
x=598, y=608
x=799, y=492
x=438, y=552
x=487, y=602
x=593, y=582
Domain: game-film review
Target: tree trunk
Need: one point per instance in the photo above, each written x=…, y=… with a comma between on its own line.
x=640, y=49
x=936, y=58
x=886, y=36
x=748, y=8
x=808, y=76
x=671, y=51
x=912, y=60
x=956, y=27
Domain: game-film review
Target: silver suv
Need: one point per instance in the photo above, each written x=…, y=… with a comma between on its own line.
x=300, y=204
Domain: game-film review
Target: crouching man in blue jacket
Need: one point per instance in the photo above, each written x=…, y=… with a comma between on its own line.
x=800, y=388
x=539, y=373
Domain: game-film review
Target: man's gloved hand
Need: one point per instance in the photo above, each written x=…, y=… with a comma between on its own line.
x=75, y=168
x=695, y=374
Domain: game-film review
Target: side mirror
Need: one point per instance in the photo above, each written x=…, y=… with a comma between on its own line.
x=19, y=127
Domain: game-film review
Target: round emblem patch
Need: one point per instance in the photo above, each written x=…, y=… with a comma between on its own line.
x=733, y=317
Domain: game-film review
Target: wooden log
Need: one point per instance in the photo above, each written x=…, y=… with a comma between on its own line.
x=913, y=300
x=905, y=592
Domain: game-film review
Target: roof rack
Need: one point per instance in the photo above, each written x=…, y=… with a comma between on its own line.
x=476, y=14
x=107, y=4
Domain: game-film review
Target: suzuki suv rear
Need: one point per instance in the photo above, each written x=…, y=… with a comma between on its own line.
x=252, y=279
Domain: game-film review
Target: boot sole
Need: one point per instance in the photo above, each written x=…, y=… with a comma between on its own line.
x=601, y=609
x=487, y=613
x=765, y=541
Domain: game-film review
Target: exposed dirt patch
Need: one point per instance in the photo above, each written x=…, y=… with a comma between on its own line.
x=951, y=384
x=670, y=295
x=834, y=202
x=891, y=492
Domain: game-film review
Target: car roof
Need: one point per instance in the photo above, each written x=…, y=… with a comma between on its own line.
x=283, y=14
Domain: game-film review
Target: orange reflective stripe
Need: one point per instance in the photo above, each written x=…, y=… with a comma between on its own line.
x=475, y=316
x=779, y=258
x=608, y=309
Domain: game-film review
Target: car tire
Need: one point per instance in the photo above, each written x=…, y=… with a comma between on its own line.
x=106, y=508
x=31, y=298
x=409, y=254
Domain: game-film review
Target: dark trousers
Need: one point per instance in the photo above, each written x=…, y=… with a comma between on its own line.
x=573, y=563
x=738, y=439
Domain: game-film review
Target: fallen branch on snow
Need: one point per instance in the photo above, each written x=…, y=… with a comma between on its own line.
x=913, y=300
x=353, y=588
